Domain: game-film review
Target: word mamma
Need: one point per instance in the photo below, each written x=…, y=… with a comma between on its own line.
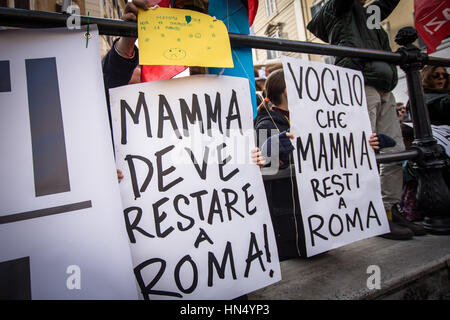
x=188, y=114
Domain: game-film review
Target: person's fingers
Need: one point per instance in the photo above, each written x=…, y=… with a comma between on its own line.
x=144, y=4
x=373, y=141
x=289, y=135
x=261, y=161
x=131, y=9
x=255, y=153
x=119, y=175
x=255, y=158
x=130, y=12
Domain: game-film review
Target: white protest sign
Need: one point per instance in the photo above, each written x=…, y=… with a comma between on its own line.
x=441, y=133
x=194, y=203
x=62, y=233
x=442, y=136
x=336, y=170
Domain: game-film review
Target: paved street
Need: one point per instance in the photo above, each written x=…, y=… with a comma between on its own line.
x=342, y=273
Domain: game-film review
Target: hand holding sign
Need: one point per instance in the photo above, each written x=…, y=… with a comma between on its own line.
x=182, y=37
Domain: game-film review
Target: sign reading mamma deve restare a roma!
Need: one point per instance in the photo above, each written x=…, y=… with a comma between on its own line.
x=194, y=204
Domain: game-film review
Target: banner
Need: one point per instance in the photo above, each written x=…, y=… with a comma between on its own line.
x=62, y=234
x=336, y=170
x=194, y=204
x=182, y=37
x=432, y=21
x=442, y=136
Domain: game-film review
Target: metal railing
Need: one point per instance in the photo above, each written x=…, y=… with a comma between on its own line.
x=113, y=27
x=430, y=159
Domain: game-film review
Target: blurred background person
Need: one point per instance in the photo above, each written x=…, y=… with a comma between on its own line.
x=437, y=94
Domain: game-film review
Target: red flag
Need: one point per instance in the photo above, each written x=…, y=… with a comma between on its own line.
x=161, y=3
x=432, y=21
x=252, y=9
x=152, y=73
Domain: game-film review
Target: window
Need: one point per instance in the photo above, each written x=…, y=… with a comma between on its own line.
x=272, y=54
x=22, y=4
x=270, y=7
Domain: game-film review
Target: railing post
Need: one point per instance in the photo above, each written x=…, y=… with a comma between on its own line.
x=433, y=195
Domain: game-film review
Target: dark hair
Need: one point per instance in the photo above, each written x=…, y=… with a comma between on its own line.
x=275, y=86
x=408, y=135
x=426, y=72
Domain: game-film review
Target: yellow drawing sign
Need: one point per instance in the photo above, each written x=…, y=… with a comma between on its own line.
x=182, y=37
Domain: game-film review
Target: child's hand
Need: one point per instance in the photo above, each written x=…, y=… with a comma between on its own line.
x=373, y=141
x=257, y=158
x=119, y=175
x=289, y=135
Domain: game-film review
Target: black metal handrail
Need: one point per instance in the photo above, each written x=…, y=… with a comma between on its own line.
x=430, y=161
x=114, y=27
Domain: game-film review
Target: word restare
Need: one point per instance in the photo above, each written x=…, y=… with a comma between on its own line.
x=189, y=115
x=190, y=209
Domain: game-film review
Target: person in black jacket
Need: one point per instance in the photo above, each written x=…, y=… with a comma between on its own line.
x=273, y=116
x=120, y=62
x=345, y=23
x=122, y=59
x=273, y=120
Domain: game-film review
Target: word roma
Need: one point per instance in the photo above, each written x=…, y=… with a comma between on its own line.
x=188, y=114
x=255, y=254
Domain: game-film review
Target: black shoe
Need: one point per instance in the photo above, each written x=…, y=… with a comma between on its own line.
x=398, y=232
x=399, y=219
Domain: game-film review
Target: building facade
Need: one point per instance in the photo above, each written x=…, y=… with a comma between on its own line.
x=110, y=9
x=278, y=19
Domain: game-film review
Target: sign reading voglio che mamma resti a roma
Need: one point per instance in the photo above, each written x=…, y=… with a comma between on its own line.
x=336, y=170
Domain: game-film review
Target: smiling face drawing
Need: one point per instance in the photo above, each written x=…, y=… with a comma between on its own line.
x=174, y=54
